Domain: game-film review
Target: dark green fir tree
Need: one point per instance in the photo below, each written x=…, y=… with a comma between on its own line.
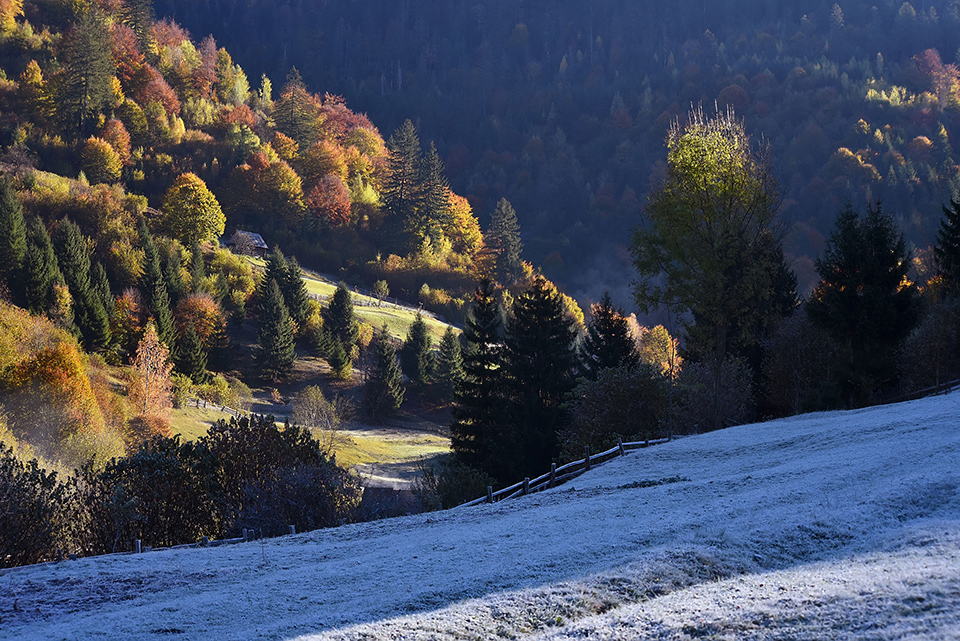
x=74, y=260
x=173, y=279
x=383, y=390
x=191, y=356
x=449, y=370
x=295, y=292
x=503, y=238
x=947, y=248
x=101, y=286
x=608, y=342
x=13, y=241
x=41, y=271
x=154, y=288
x=198, y=272
x=339, y=319
x=275, y=344
x=540, y=363
x=478, y=412
x=416, y=355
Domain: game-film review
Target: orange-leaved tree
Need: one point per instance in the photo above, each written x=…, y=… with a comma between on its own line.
x=149, y=388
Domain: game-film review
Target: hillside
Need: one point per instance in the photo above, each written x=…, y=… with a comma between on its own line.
x=832, y=525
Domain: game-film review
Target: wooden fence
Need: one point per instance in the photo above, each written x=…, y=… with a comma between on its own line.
x=559, y=475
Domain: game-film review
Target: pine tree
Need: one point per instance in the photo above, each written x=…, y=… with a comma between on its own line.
x=947, y=248
x=383, y=390
x=295, y=293
x=339, y=319
x=539, y=363
x=101, y=286
x=608, y=342
x=198, y=272
x=191, y=356
x=41, y=272
x=155, y=289
x=173, y=279
x=503, y=238
x=74, y=261
x=434, y=214
x=89, y=68
x=401, y=189
x=13, y=240
x=863, y=303
x=275, y=353
x=416, y=355
x=478, y=410
x=449, y=370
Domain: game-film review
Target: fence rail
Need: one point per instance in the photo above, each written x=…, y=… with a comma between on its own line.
x=559, y=475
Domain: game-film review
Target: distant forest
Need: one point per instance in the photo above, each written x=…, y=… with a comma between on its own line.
x=562, y=106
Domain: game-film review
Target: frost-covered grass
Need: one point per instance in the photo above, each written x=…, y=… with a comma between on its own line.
x=837, y=525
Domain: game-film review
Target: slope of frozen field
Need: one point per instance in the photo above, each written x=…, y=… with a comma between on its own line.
x=835, y=525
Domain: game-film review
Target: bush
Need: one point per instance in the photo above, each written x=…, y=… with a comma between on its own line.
x=31, y=502
x=695, y=408
x=449, y=484
x=624, y=402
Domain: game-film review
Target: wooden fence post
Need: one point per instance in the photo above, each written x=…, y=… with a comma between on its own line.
x=489, y=494
x=620, y=445
x=553, y=475
x=139, y=546
x=293, y=529
x=586, y=459
x=526, y=486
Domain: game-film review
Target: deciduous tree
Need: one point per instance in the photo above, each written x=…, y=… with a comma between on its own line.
x=191, y=212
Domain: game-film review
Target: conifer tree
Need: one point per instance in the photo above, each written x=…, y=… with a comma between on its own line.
x=155, y=289
x=275, y=353
x=339, y=320
x=198, y=271
x=416, y=355
x=503, y=238
x=338, y=359
x=74, y=261
x=478, y=410
x=101, y=286
x=434, y=214
x=862, y=301
x=295, y=292
x=449, y=371
x=275, y=268
x=383, y=390
x=947, y=248
x=41, y=272
x=176, y=289
x=401, y=189
x=191, y=356
x=87, y=85
x=295, y=111
x=13, y=240
x=540, y=363
x=608, y=342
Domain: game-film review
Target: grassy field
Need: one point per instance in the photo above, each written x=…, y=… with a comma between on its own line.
x=397, y=320
x=192, y=422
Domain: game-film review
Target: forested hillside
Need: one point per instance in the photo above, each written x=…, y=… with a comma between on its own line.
x=562, y=107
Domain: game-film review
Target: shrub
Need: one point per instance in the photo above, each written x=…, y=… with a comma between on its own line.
x=448, y=484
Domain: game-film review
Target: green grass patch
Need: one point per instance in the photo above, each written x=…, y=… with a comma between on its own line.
x=357, y=448
x=192, y=422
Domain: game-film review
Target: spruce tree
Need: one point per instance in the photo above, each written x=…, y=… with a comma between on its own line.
x=478, y=409
x=383, y=390
x=101, y=286
x=401, y=189
x=13, y=241
x=172, y=278
x=191, y=356
x=416, y=355
x=434, y=214
x=339, y=319
x=275, y=353
x=154, y=288
x=338, y=359
x=449, y=371
x=41, y=272
x=198, y=272
x=296, y=111
x=503, y=238
x=89, y=70
x=862, y=303
x=540, y=363
x=74, y=261
x=947, y=248
x=608, y=342
x=295, y=292
x=275, y=268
